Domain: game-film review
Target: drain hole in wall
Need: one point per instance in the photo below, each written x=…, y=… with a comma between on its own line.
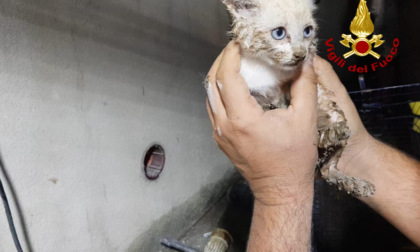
x=154, y=161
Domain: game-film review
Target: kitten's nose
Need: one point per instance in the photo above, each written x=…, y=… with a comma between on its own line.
x=299, y=54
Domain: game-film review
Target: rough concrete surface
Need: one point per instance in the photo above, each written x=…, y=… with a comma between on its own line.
x=180, y=220
x=86, y=86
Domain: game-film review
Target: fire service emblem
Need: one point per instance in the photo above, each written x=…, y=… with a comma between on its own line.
x=362, y=27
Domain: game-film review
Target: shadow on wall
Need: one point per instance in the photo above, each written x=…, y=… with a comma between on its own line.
x=119, y=27
x=128, y=46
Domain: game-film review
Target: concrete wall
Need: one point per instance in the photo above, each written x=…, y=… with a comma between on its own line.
x=85, y=87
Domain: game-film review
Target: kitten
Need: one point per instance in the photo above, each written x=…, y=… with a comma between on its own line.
x=276, y=37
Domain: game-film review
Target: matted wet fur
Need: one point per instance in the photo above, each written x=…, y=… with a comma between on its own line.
x=276, y=37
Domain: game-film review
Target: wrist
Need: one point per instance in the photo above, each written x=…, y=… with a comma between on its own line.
x=365, y=158
x=291, y=221
x=271, y=192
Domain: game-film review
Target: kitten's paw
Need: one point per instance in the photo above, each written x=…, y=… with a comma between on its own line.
x=332, y=124
x=357, y=187
x=333, y=134
x=351, y=185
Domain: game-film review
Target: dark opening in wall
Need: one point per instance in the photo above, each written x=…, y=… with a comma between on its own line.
x=154, y=161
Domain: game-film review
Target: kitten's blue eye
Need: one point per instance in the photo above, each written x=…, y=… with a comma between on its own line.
x=279, y=33
x=308, y=31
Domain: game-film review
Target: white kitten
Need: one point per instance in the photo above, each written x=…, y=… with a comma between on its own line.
x=276, y=37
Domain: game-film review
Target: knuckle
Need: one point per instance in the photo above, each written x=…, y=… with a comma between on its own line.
x=239, y=126
x=218, y=131
x=217, y=138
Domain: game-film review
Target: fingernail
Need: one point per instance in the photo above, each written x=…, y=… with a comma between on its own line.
x=219, y=85
x=219, y=131
x=210, y=97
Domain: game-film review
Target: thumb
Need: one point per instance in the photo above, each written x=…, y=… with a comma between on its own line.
x=304, y=92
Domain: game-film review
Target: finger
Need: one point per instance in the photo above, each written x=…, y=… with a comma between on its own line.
x=213, y=94
x=327, y=76
x=303, y=91
x=217, y=131
x=234, y=90
x=210, y=112
x=329, y=79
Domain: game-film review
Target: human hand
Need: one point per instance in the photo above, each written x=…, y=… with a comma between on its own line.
x=395, y=175
x=275, y=151
x=360, y=140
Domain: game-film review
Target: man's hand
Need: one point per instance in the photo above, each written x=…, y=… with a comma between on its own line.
x=360, y=139
x=275, y=151
x=395, y=175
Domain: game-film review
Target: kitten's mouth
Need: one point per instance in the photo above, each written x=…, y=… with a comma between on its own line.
x=293, y=64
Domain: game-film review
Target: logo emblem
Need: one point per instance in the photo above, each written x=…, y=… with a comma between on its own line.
x=362, y=27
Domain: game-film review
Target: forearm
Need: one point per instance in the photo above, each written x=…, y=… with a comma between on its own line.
x=285, y=227
x=395, y=175
x=397, y=180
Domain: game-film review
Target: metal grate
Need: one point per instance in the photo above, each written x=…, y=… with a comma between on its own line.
x=392, y=115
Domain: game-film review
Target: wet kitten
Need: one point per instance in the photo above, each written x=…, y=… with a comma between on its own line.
x=276, y=37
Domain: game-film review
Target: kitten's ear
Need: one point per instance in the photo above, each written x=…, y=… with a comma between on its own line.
x=241, y=8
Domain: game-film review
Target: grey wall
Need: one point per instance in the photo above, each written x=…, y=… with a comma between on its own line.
x=86, y=86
